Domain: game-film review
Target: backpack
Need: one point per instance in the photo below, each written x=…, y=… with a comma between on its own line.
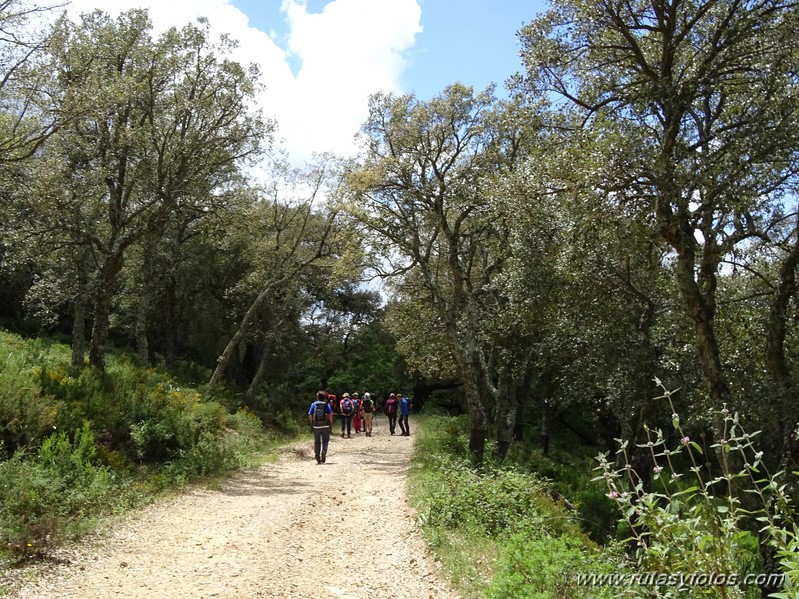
x=391, y=406
x=319, y=413
x=368, y=407
x=346, y=406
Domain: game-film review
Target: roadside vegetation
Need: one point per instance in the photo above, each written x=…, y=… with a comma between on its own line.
x=504, y=529
x=571, y=524
x=77, y=446
x=600, y=270
x=80, y=446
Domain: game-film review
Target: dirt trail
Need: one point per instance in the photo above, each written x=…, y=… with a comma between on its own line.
x=291, y=529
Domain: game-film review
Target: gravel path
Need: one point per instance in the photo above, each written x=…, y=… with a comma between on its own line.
x=289, y=529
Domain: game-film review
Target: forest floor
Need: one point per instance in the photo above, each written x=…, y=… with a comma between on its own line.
x=293, y=529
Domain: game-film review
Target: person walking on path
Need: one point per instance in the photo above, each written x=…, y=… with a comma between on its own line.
x=347, y=407
x=320, y=415
x=368, y=409
x=404, y=410
x=391, y=411
x=357, y=413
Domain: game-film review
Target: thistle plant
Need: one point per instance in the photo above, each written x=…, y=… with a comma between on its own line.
x=693, y=526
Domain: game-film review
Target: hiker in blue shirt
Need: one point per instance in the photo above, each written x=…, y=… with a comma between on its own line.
x=347, y=407
x=404, y=410
x=320, y=415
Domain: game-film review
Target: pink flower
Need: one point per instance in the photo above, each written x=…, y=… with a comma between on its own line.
x=685, y=440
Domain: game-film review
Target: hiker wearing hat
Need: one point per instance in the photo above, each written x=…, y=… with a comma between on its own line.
x=368, y=410
x=347, y=407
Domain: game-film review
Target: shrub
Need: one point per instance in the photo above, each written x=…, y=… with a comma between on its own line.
x=70, y=437
x=495, y=500
x=695, y=522
x=499, y=529
x=547, y=568
x=27, y=414
x=209, y=455
x=40, y=497
x=169, y=421
x=597, y=514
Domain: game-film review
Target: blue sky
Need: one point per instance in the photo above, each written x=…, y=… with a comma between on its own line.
x=321, y=59
x=469, y=41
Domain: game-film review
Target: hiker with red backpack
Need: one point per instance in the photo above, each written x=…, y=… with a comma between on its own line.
x=333, y=402
x=320, y=416
x=390, y=408
x=347, y=408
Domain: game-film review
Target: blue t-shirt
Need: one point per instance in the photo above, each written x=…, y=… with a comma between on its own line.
x=328, y=410
x=403, y=406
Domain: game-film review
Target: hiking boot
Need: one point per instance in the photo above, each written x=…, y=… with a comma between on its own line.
x=342, y=435
x=349, y=436
x=324, y=455
x=318, y=460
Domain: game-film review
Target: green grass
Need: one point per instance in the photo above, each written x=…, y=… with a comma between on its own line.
x=499, y=529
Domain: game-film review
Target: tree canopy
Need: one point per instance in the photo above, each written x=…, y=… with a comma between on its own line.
x=627, y=214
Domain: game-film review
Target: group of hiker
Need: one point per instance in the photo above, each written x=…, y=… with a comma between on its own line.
x=355, y=412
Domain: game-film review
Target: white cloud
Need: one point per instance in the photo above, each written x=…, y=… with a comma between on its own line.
x=347, y=52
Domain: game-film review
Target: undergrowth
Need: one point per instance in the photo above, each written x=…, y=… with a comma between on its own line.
x=77, y=445
x=500, y=529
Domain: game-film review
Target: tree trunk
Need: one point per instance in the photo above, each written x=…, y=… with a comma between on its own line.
x=146, y=295
x=170, y=323
x=142, y=345
x=546, y=424
x=546, y=391
x=522, y=393
x=102, y=309
x=701, y=307
x=244, y=328
x=777, y=363
x=475, y=398
x=518, y=429
x=677, y=229
x=79, y=309
x=78, y=329
x=478, y=425
x=505, y=413
x=259, y=375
